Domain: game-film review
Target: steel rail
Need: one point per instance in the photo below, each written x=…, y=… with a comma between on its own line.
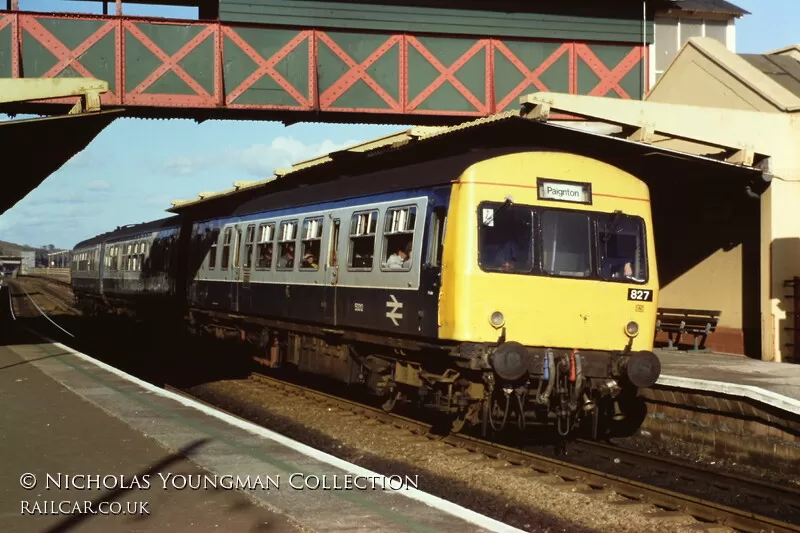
x=575, y=475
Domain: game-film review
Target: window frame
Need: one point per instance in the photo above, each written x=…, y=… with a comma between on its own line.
x=535, y=237
x=303, y=241
x=270, y=241
x=350, y=235
x=385, y=236
x=225, y=262
x=280, y=242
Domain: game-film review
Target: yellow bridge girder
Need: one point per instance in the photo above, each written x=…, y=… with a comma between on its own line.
x=14, y=90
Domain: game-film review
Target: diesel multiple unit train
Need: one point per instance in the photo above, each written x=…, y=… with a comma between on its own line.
x=513, y=287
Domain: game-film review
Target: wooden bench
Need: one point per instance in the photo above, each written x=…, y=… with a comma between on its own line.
x=677, y=322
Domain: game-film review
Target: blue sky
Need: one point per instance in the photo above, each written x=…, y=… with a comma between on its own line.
x=134, y=168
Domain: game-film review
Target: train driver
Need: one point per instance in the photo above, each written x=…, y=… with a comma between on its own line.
x=506, y=256
x=401, y=258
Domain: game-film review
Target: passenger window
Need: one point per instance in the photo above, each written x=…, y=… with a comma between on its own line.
x=288, y=235
x=265, y=245
x=362, y=240
x=226, y=248
x=248, y=245
x=398, y=237
x=312, y=243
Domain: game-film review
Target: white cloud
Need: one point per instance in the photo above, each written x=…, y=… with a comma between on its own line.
x=98, y=185
x=259, y=160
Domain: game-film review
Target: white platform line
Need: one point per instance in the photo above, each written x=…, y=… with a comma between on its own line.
x=468, y=515
x=733, y=389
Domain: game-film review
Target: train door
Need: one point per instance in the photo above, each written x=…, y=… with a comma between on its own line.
x=245, y=295
x=236, y=267
x=332, y=273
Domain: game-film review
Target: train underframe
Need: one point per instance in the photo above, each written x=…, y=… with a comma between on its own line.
x=494, y=386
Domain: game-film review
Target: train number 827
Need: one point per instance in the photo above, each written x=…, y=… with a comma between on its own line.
x=640, y=295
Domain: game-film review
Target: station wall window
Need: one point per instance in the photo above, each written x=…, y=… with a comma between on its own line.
x=362, y=240
x=226, y=248
x=286, y=238
x=265, y=245
x=398, y=238
x=312, y=243
x=250, y=237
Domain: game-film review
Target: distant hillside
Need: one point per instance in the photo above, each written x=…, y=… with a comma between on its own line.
x=10, y=248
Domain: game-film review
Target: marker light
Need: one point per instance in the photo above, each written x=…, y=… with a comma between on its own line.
x=632, y=329
x=497, y=319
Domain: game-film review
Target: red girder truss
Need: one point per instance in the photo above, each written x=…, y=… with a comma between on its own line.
x=25, y=26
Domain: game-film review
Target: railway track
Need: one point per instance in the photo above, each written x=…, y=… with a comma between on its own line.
x=675, y=488
x=593, y=482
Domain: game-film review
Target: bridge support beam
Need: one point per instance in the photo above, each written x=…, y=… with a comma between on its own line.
x=13, y=90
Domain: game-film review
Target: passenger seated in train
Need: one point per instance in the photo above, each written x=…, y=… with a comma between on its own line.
x=265, y=261
x=401, y=258
x=287, y=259
x=309, y=261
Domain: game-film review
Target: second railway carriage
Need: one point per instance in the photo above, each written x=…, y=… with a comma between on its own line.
x=499, y=286
x=133, y=268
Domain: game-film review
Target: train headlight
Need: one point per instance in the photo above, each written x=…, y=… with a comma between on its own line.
x=497, y=319
x=631, y=329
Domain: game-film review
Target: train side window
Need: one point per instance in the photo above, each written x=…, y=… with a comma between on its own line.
x=226, y=248
x=142, y=255
x=438, y=225
x=265, y=245
x=362, y=240
x=286, y=239
x=312, y=243
x=212, y=252
x=333, y=259
x=250, y=236
x=124, y=258
x=398, y=238
x=237, y=248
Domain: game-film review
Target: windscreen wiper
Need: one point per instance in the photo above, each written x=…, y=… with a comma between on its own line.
x=499, y=210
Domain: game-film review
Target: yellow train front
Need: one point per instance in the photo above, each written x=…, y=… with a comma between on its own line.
x=549, y=284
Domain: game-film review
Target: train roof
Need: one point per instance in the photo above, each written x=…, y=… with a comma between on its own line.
x=398, y=161
x=131, y=229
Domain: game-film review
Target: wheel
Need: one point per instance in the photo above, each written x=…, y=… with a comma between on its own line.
x=390, y=402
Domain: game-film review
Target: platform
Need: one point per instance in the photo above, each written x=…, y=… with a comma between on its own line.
x=66, y=413
x=775, y=384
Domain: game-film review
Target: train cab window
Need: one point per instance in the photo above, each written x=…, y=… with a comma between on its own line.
x=621, y=247
x=226, y=248
x=265, y=245
x=566, y=243
x=362, y=240
x=398, y=237
x=505, y=237
x=286, y=246
x=312, y=243
x=212, y=252
x=250, y=237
